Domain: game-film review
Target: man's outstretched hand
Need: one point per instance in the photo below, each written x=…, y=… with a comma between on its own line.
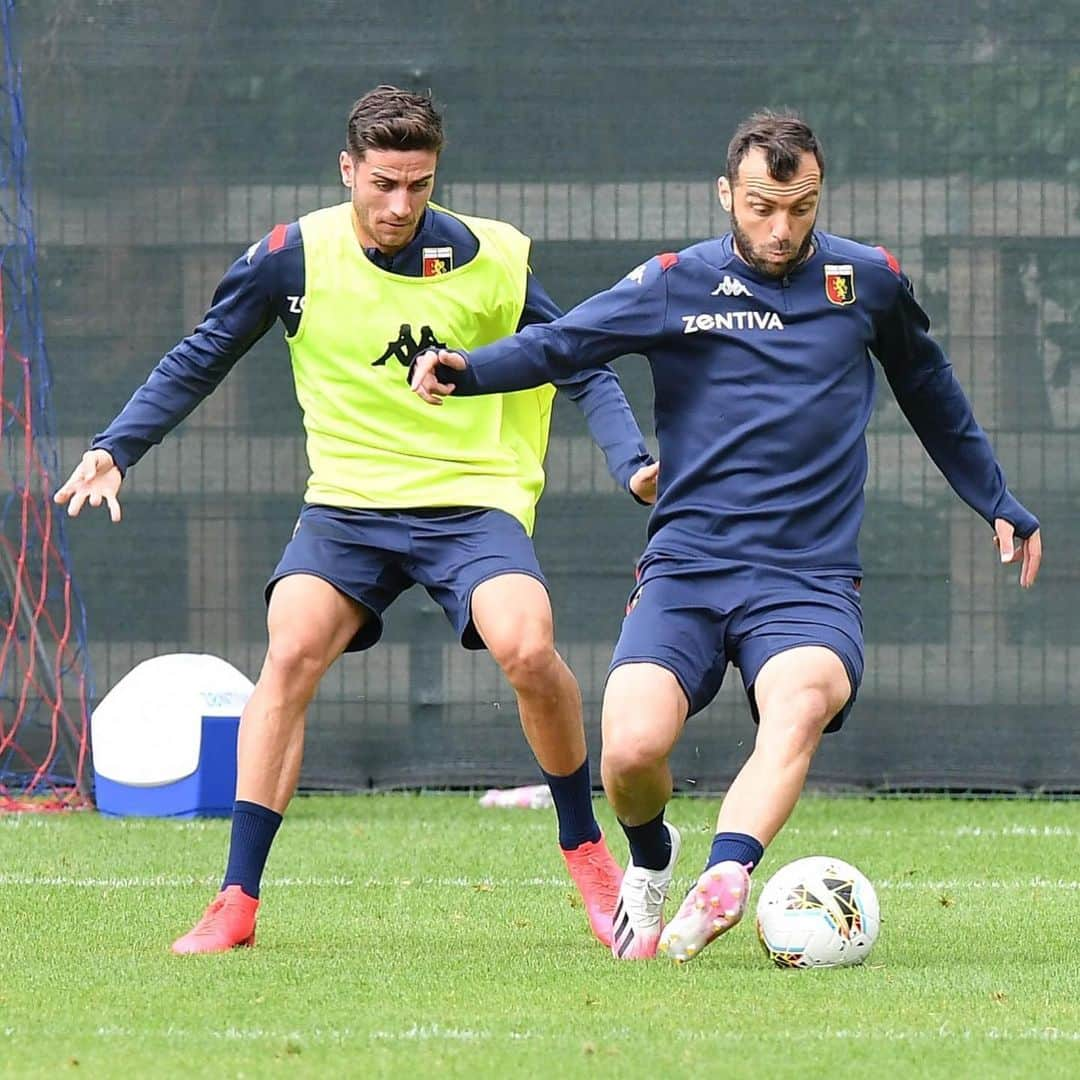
x=424, y=379
x=1026, y=552
x=97, y=479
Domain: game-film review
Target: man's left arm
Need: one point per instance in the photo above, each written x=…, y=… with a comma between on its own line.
x=598, y=393
x=938, y=410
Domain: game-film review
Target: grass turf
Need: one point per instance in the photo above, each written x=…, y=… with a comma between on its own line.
x=404, y=933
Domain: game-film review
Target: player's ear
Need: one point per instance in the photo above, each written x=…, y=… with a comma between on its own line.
x=345, y=164
x=723, y=189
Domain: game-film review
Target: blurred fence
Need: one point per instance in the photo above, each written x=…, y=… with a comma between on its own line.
x=166, y=138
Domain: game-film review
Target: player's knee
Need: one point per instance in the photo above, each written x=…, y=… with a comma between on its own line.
x=793, y=723
x=813, y=707
x=630, y=753
x=295, y=661
x=526, y=658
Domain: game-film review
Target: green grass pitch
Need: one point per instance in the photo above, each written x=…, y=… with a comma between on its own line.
x=421, y=934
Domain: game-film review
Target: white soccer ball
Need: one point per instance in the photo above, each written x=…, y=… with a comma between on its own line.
x=818, y=912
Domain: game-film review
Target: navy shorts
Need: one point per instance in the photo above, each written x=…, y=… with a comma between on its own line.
x=694, y=621
x=373, y=556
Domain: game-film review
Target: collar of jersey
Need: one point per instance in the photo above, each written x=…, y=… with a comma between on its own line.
x=417, y=279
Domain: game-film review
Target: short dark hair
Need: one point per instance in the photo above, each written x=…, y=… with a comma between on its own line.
x=784, y=137
x=388, y=118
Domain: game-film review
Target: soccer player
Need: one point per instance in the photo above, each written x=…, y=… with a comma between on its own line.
x=759, y=343
x=397, y=495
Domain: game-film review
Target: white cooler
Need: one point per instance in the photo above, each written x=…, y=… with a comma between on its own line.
x=164, y=738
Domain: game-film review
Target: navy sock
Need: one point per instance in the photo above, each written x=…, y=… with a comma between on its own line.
x=572, y=796
x=253, y=831
x=737, y=846
x=650, y=844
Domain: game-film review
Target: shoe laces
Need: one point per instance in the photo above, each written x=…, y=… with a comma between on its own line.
x=644, y=898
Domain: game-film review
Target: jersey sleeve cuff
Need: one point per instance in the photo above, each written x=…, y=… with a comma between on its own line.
x=627, y=474
x=1018, y=516
x=120, y=460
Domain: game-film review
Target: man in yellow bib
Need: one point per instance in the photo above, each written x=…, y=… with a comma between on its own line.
x=398, y=495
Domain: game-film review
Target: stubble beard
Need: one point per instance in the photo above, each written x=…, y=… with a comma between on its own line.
x=763, y=266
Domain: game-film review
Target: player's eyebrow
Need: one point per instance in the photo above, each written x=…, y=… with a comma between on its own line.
x=379, y=173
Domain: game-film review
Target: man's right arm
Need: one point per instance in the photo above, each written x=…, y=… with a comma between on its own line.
x=627, y=318
x=242, y=310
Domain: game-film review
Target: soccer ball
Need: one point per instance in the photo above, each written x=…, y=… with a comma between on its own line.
x=818, y=912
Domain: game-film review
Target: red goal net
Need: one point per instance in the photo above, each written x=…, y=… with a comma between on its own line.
x=44, y=681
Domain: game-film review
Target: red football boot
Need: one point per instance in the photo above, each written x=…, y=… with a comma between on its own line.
x=597, y=877
x=229, y=923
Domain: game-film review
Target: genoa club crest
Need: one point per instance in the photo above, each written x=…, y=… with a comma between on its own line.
x=438, y=260
x=840, y=283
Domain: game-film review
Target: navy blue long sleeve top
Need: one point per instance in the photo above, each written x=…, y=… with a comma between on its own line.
x=763, y=391
x=267, y=284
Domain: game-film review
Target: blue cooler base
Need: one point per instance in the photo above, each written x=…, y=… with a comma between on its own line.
x=208, y=792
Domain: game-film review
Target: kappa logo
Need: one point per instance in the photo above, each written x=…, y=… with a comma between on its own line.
x=731, y=286
x=731, y=320
x=665, y=260
x=405, y=348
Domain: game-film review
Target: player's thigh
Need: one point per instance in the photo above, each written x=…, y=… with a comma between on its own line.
x=512, y=614
x=677, y=622
x=460, y=556
x=644, y=712
x=357, y=553
x=799, y=647
x=310, y=623
x=806, y=686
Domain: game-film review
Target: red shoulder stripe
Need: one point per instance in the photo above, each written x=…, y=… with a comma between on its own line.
x=891, y=259
x=667, y=260
x=277, y=238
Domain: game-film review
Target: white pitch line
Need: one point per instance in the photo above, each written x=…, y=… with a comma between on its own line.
x=1015, y=830
x=170, y=882
x=435, y=1032
x=964, y=883
x=476, y=884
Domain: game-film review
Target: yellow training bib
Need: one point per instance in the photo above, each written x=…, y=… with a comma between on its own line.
x=371, y=442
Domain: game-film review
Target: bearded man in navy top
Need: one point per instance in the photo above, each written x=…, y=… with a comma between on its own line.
x=760, y=346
